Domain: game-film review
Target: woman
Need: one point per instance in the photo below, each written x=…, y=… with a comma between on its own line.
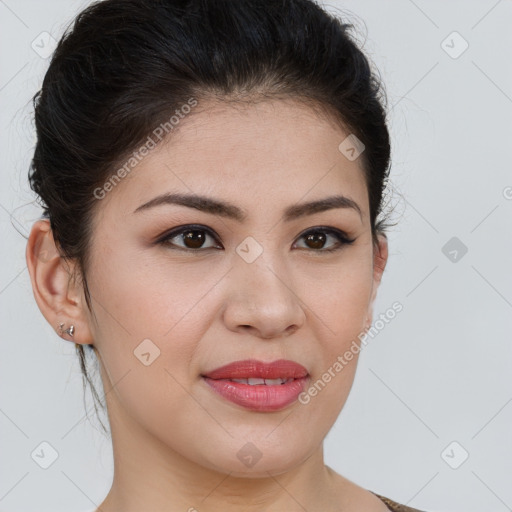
x=212, y=175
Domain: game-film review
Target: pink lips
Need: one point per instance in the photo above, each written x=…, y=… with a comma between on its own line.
x=258, y=395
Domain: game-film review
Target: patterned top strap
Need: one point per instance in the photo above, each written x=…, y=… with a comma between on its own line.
x=396, y=507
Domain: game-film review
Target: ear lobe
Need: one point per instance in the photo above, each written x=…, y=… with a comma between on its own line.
x=57, y=294
x=380, y=258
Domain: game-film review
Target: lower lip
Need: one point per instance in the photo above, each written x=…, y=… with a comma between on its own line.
x=259, y=397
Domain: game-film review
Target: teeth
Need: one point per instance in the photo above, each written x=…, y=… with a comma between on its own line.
x=253, y=381
x=256, y=380
x=274, y=382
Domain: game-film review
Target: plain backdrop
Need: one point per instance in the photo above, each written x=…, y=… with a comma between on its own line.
x=428, y=422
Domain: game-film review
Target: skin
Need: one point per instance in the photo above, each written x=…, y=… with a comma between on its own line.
x=175, y=441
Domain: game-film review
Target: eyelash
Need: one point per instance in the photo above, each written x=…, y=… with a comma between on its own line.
x=339, y=235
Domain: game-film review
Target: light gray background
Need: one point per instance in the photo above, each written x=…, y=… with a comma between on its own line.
x=438, y=373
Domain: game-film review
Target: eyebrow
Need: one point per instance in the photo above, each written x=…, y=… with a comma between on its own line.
x=228, y=210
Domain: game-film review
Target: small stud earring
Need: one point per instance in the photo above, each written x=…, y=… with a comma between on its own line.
x=70, y=330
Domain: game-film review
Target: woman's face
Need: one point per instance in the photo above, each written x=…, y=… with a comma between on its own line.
x=259, y=278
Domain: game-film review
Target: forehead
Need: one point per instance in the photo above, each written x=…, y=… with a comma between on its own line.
x=279, y=151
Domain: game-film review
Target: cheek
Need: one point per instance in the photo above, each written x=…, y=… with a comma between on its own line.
x=149, y=297
x=339, y=298
x=151, y=317
x=342, y=309
x=339, y=311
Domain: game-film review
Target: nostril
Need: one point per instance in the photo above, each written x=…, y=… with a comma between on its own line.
x=291, y=329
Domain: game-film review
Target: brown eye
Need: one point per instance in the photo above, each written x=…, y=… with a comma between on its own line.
x=188, y=237
x=193, y=239
x=317, y=238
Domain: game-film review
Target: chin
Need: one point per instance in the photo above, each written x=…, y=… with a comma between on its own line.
x=247, y=459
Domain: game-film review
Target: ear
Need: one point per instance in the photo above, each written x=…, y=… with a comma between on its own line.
x=380, y=258
x=59, y=297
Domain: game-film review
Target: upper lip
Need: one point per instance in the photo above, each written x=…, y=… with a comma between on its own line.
x=252, y=368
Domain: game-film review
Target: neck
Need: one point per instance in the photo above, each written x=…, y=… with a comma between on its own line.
x=148, y=475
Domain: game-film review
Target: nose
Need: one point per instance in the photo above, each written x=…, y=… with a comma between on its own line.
x=261, y=299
